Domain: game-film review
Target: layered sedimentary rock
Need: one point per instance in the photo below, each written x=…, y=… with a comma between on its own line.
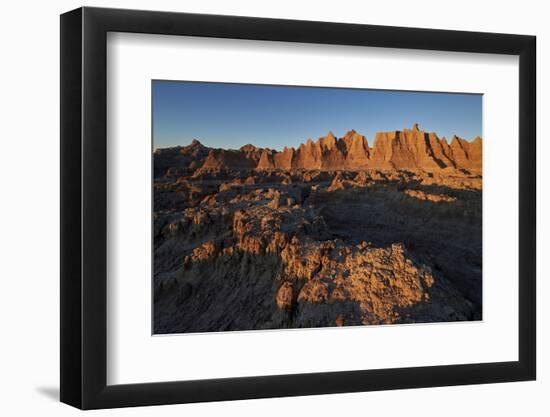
x=169, y=161
x=266, y=160
x=357, y=151
x=409, y=149
x=331, y=233
x=465, y=154
x=228, y=160
x=252, y=152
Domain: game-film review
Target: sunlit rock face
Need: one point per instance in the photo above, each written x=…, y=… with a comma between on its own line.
x=332, y=233
x=409, y=149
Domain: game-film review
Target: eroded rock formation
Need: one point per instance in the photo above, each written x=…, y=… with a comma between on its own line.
x=334, y=233
x=409, y=149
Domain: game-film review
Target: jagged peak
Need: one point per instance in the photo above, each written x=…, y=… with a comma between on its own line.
x=458, y=142
x=386, y=135
x=248, y=147
x=354, y=136
x=390, y=149
x=287, y=149
x=328, y=141
x=196, y=142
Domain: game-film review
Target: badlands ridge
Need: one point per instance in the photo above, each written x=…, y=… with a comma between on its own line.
x=333, y=233
x=410, y=149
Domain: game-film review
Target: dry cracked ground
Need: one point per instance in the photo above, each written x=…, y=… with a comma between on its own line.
x=248, y=249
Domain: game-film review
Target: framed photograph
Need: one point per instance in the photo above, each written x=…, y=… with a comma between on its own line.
x=256, y=208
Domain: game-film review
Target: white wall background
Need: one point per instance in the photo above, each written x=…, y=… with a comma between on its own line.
x=29, y=213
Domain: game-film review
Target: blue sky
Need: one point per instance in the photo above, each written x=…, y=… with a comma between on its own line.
x=226, y=115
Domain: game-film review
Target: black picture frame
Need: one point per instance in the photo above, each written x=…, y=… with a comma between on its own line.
x=84, y=207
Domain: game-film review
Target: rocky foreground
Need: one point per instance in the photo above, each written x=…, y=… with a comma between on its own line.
x=333, y=239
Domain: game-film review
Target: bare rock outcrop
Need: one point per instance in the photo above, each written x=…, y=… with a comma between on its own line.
x=409, y=149
x=329, y=248
x=221, y=159
x=179, y=159
x=332, y=233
